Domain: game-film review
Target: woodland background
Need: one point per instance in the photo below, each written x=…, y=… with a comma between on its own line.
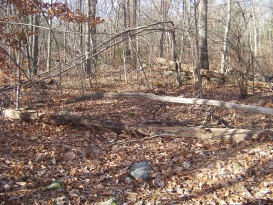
x=82, y=37
x=89, y=88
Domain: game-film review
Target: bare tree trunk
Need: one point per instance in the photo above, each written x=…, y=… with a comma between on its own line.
x=91, y=37
x=162, y=36
x=88, y=40
x=93, y=32
x=35, y=46
x=124, y=65
x=197, y=51
x=203, y=10
x=126, y=50
x=164, y=9
x=254, y=28
x=49, y=44
x=18, y=87
x=271, y=25
x=65, y=47
x=175, y=58
x=225, y=41
x=185, y=17
x=255, y=38
x=161, y=45
x=134, y=43
x=126, y=25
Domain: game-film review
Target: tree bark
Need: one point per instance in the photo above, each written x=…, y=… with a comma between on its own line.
x=91, y=37
x=203, y=12
x=198, y=50
x=164, y=9
x=225, y=41
x=126, y=25
x=35, y=46
x=93, y=32
x=134, y=38
x=49, y=44
x=175, y=59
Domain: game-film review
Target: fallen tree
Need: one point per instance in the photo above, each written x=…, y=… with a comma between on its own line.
x=143, y=131
x=219, y=76
x=146, y=132
x=188, y=70
x=164, y=63
x=171, y=99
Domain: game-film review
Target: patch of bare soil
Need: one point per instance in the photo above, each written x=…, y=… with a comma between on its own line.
x=92, y=165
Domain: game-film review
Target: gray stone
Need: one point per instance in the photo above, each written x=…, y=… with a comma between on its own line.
x=140, y=170
x=112, y=201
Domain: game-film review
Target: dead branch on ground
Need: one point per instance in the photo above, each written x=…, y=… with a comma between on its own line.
x=171, y=99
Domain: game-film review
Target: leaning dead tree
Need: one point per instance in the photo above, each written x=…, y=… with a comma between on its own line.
x=109, y=43
x=101, y=47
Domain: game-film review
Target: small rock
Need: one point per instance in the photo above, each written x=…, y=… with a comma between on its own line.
x=54, y=186
x=140, y=170
x=112, y=201
x=21, y=183
x=2, y=177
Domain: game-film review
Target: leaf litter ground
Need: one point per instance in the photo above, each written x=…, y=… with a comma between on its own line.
x=93, y=165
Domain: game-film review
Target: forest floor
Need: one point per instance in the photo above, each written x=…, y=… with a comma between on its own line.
x=93, y=165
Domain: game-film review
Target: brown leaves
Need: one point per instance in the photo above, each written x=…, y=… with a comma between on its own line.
x=90, y=172
x=93, y=166
x=57, y=9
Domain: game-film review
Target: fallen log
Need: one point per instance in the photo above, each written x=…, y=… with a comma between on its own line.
x=219, y=76
x=223, y=134
x=95, y=124
x=22, y=114
x=146, y=132
x=171, y=99
x=188, y=70
x=163, y=61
